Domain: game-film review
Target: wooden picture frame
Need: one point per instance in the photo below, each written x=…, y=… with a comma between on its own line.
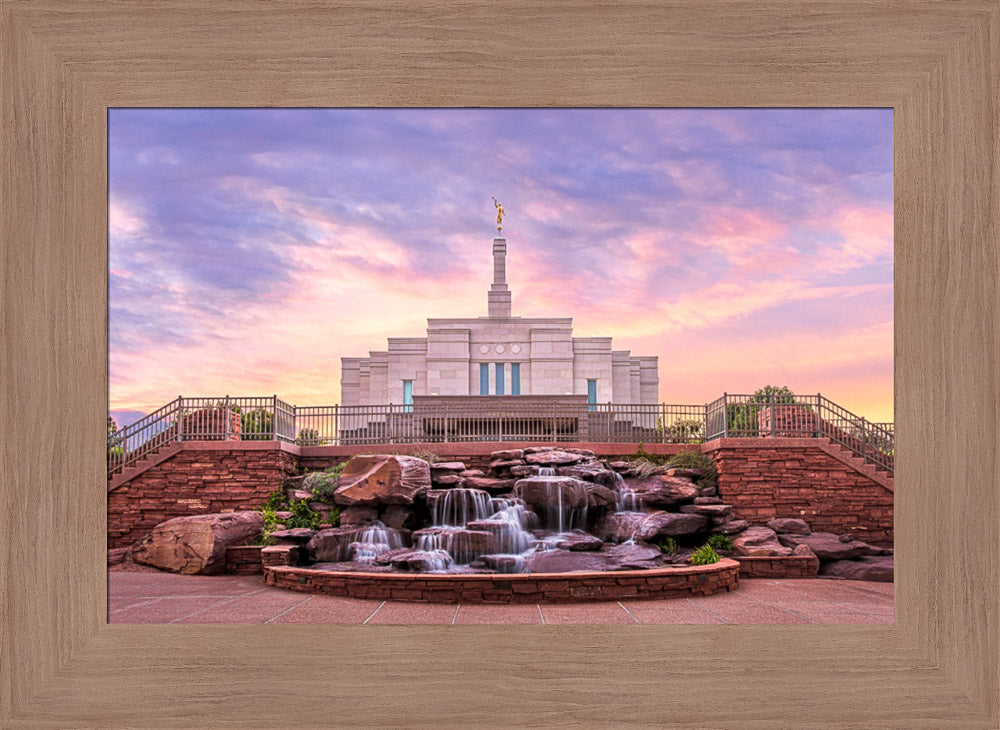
x=64, y=63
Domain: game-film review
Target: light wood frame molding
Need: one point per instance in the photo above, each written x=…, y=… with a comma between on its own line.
x=62, y=64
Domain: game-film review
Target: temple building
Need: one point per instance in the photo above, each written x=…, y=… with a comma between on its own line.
x=499, y=355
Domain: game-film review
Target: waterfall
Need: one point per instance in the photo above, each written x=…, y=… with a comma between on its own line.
x=546, y=471
x=458, y=507
x=628, y=500
x=372, y=542
x=454, y=542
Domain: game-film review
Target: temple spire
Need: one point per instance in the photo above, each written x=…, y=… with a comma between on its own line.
x=499, y=294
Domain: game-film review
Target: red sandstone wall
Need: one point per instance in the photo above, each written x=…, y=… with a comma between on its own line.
x=194, y=482
x=802, y=481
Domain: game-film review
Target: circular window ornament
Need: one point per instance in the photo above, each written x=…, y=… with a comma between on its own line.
x=484, y=349
x=499, y=349
x=515, y=349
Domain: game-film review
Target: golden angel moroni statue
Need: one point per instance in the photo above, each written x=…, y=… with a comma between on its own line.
x=499, y=207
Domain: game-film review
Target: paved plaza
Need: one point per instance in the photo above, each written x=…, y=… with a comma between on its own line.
x=155, y=597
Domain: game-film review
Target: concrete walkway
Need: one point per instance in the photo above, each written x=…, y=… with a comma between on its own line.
x=160, y=598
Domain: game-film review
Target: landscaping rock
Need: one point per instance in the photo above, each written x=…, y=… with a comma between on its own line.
x=465, y=545
x=553, y=492
x=197, y=544
x=720, y=512
x=382, y=479
x=632, y=555
x=553, y=458
x=447, y=480
x=493, y=486
x=580, y=541
x=873, y=568
x=507, y=455
x=619, y=465
x=589, y=471
x=789, y=525
x=358, y=515
x=827, y=546
x=334, y=545
x=685, y=473
x=447, y=466
x=565, y=561
x=659, y=525
x=500, y=464
x=733, y=526
x=295, y=536
x=523, y=471
x=707, y=500
x=419, y=560
x=116, y=556
x=663, y=491
x=759, y=541
x=619, y=526
x=500, y=563
x=399, y=516
x=472, y=473
x=299, y=495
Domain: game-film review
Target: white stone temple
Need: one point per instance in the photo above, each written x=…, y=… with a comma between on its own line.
x=499, y=355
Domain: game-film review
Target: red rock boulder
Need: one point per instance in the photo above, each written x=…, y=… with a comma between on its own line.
x=197, y=544
x=382, y=479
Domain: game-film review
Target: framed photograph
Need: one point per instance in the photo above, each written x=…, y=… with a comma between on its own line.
x=65, y=64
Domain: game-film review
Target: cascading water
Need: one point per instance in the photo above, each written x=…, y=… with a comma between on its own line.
x=458, y=507
x=499, y=533
x=372, y=542
x=628, y=500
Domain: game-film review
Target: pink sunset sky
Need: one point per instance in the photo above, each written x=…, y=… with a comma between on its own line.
x=251, y=249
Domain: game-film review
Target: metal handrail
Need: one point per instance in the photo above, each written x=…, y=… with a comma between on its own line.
x=502, y=419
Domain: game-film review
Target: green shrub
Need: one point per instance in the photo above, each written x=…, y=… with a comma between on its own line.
x=685, y=430
x=334, y=517
x=275, y=501
x=324, y=483
x=743, y=418
x=668, y=546
x=256, y=425
x=704, y=555
x=271, y=521
x=720, y=542
x=308, y=437
x=302, y=516
x=697, y=460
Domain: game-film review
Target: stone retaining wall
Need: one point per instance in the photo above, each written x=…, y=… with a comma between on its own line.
x=244, y=560
x=205, y=477
x=768, y=478
x=682, y=582
x=761, y=478
x=788, y=566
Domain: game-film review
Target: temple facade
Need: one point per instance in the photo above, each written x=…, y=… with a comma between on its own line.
x=499, y=355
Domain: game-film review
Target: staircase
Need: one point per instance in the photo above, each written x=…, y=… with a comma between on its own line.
x=144, y=464
x=846, y=456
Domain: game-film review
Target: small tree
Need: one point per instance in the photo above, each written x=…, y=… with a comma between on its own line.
x=742, y=418
x=257, y=425
x=114, y=446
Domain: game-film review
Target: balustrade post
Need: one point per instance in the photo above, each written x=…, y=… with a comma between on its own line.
x=770, y=417
x=864, y=440
x=226, y=415
x=446, y=424
x=180, y=418
x=725, y=415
